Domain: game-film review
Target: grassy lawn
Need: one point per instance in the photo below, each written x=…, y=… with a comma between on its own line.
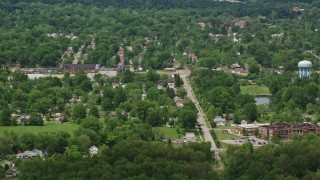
x=224, y=145
x=255, y=90
x=171, y=132
x=226, y=127
x=222, y=136
x=48, y=127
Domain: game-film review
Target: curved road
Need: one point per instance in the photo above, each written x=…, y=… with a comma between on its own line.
x=201, y=117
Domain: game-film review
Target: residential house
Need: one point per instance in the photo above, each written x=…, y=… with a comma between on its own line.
x=120, y=68
x=15, y=116
x=190, y=136
x=115, y=85
x=23, y=119
x=171, y=85
x=54, y=35
x=30, y=154
x=112, y=113
x=175, y=63
x=160, y=85
x=229, y=117
x=12, y=172
x=121, y=55
x=215, y=35
x=58, y=117
x=238, y=22
x=121, y=52
x=237, y=69
x=241, y=23
x=202, y=24
x=277, y=35
x=71, y=36
x=101, y=114
x=143, y=96
x=179, y=102
x=235, y=65
x=297, y=10
x=192, y=57
x=219, y=121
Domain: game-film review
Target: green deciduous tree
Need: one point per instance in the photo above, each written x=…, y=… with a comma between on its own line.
x=187, y=118
x=35, y=119
x=79, y=112
x=5, y=117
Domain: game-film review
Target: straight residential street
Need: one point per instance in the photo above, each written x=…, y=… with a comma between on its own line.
x=201, y=116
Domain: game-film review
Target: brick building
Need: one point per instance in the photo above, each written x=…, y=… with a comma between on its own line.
x=286, y=131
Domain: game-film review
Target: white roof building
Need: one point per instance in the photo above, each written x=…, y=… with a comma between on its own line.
x=190, y=136
x=30, y=154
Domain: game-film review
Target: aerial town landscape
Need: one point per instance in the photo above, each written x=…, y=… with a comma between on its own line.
x=160, y=89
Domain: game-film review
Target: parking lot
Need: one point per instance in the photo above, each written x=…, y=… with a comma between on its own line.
x=256, y=142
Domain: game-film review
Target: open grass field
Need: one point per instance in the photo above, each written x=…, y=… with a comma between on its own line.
x=222, y=136
x=48, y=127
x=255, y=90
x=170, y=132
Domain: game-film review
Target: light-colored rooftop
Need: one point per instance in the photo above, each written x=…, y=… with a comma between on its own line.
x=304, y=63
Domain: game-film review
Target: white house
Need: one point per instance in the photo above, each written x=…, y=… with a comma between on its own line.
x=190, y=136
x=171, y=85
x=30, y=154
x=219, y=121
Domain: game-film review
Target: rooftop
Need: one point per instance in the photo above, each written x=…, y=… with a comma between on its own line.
x=304, y=63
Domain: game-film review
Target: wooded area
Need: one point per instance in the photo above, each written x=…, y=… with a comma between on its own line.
x=225, y=45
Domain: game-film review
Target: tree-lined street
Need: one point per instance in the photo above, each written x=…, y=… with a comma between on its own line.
x=201, y=116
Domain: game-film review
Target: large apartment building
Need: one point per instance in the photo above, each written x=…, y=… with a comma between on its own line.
x=286, y=131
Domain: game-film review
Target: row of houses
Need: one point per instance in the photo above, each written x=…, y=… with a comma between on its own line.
x=283, y=130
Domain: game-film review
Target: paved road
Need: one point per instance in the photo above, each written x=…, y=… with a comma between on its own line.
x=201, y=117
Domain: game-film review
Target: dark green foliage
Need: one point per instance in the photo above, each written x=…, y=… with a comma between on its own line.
x=5, y=117
x=79, y=112
x=127, y=159
x=295, y=159
x=220, y=93
x=178, y=80
x=35, y=120
x=187, y=118
x=94, y=111
x=91, y=123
